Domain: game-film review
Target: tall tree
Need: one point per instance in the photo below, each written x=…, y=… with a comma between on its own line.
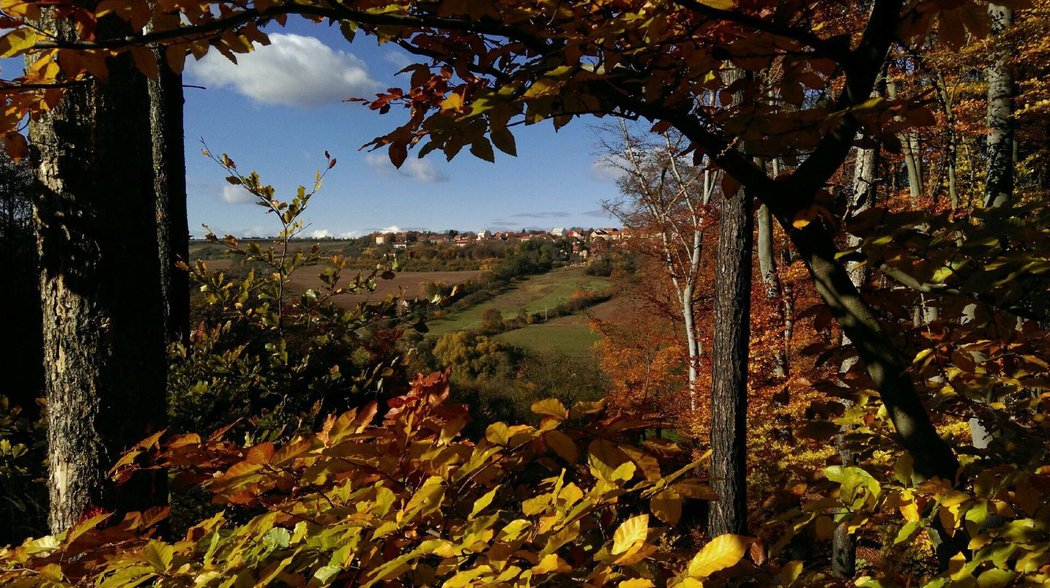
x=99, y=282
x=667, y=196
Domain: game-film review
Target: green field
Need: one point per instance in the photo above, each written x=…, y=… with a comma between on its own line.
x=534, y=294
x=570, y=335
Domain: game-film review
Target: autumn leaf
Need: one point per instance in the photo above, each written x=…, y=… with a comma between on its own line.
x=563, y=445
x=630, y=533
x=667, y=506
x=17, y=42
x=722, y=552
x=551, y=407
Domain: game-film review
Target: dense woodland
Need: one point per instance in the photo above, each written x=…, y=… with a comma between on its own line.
x=832, y=370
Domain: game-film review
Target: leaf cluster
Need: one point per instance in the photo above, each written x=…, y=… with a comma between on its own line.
x=404, y=499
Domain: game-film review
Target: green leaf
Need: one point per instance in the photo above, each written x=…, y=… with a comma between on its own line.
x=995, y=578
x=326, y=573
x=907, y=532
x=159, y=555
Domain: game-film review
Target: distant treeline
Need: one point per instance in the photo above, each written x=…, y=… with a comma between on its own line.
x=421, y=256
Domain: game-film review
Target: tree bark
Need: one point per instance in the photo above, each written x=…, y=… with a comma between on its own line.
x=96, y=236
x=999, y=182
x=729, y=361
x=169, y=166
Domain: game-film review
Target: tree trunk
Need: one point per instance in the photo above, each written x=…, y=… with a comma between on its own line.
x=951, y=139
x=932, y=456
x=692, y=344
x=729, y=360
x=103, y=335
x=169, y=165
x=999, y=182
x=909, y=146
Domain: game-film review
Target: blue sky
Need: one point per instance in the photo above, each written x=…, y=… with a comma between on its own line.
x=280, y=109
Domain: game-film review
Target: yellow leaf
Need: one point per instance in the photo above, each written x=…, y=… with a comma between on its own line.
x=790, y=572
x=635, y=554
x=637, y=583
x=695, y=489
x=452, y=102
x=804, y=217
x=484, y=501
x=551, y=407
x=632, y=532
x=869, y=104
x=498, y=434
x=17, y=42
x=724, y=551
x=551, y=563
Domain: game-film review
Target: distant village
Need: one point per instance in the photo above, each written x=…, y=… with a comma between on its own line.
x=580, y=237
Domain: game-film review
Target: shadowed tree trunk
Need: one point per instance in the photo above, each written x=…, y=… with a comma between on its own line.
x=169, y=163
x=99, y=282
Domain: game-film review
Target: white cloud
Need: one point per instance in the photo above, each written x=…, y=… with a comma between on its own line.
x=397, y=58
x=256, y=231
x=391, y=229
x=236, y=195
x=607, y=169
x=328, y=234
x=420, y=170
x=294, y=70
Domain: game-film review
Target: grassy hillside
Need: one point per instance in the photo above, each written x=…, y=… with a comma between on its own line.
x=534, y=294
x=570, y=335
